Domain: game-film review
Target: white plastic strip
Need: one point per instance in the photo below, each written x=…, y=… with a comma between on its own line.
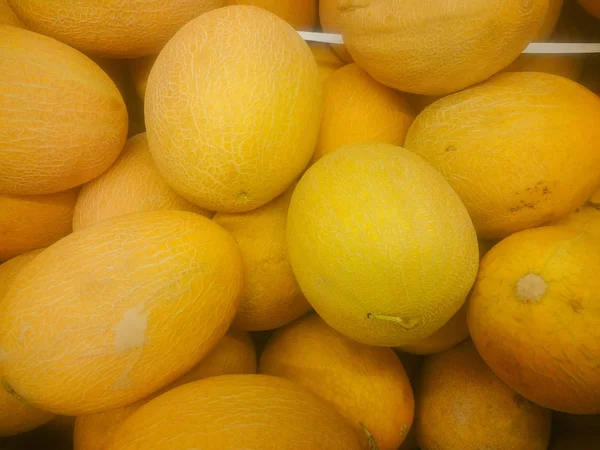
x=534, y=48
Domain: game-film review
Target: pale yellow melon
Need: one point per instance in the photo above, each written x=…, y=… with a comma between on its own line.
x=16, y=417
x=440, y=46
x=235, y=353
x=132, y=184
x=381, y=246
x=36, y=221
x=301, y=14
x=519, y=149
x=233, y=108
x=8, y=16
x=115, y=28
x=62, y=119
x=139, y=70
x=327, y=59
x=114, y=312
x=329, y=16
x=357, y=108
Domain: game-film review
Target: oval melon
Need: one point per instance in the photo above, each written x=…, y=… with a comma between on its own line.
x=257, y=412
x=132, y=184
x=35, y=221
x=8, y=16
x=114, y=312
x=440, y=46
x=233, y=108
x=301, y=14
x=113, y=28
x=372, y=230
x=520, y=149
x=62, y=119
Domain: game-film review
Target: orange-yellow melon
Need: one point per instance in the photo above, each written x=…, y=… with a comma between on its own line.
x=372, y=229
x=329, y=17
x=327, y=59
x=113, y=28
x=139, y=70
x=236, y=411
x=16, y=417
x=271, y=296
x=132, y=184
x=535, y=319
x=437, y=47
x=367, y=385
x=36, y=221
x=8, y=16
x=591, y=6
x=519, y=149
x=233, y=108
x=62, y=119
x=301, y=14
x=235, y=353
x=357, y=108
x=124, y=308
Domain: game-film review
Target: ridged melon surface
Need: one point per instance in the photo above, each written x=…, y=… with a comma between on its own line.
x=233, y=108
x=301, y=14
x=62, y=119
x=114, y=28
x=114, y=312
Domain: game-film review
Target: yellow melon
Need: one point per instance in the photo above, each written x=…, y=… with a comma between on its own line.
x=77, y=127
x=233, y=108
x=301, y=14
x=329, y=16
x=139, y=70
x=8, y=16
x=36, y=221
x=437, y=47
x=591, y=6
x=371, y=231
x=233, y=354
x=17, y=417
x=585, y=219
x=327, y=59
x=271, y=296
x=519, y=149
x=236, y=411
x=124, y=308
x=114, y=28
x=357, y=108
x=366, y=384
x=132, y=184
x=552, y=17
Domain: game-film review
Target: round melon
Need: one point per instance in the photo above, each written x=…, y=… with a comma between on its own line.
x=62, y=119
x=36, y=221
x=233, y=108
x=440, y=46
x=112, y=313
x=301, y=14
x=255, y=412
x=520, y=149
x=380, y=244
x=132, y=184
x=114, y=28
x=8, y=16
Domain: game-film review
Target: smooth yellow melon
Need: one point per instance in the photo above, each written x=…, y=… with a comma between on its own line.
x=327, y=59
x=114, y=312
x=256, y=412
x=132, y=184
x=271, y=296
x=17, y=417
x=233, y=108
x=62, y=119
x=235, y=353
x=8, y=16
x=139, y=70
x=114, y=28
x=519, y=149
x=36, y=221
x=357, y=108
x=329, y=17
x=381, y=246
x=301, y=14
x=441, y=46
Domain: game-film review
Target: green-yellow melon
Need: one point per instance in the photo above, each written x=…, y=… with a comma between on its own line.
x=329, y=17
x=8, y=16
x=17, y=417
x=132, y=184
x=327, y=59
x=34, y=221
x=62, y=119
x=381, y=246
x=440, y=46
x=233, y=108
x=254, y=412
x=114, y=28
x=235, y=353
x=591, y=6
x=519, y=149
x=301, y=14
x=112, y=313
x=139, y=71
x=357, y=108
x=271, y=296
